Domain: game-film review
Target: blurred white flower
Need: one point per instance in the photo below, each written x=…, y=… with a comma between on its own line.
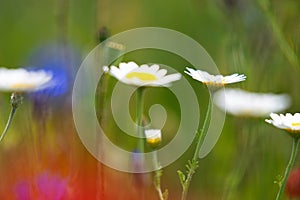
x=21, y=80
x=288, y=122
x=242, y=103
x=153, y=136
x=209, y=79
x=144, y=75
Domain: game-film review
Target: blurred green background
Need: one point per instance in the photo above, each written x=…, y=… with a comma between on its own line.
x=239, y=35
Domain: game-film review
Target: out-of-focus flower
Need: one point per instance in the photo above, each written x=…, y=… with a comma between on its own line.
x=59, y=76
x=51, y=187
x=22, y=80
x=45, y=186
x=214, y=80
x=144, y=75
x=288, y=122
x=243, y=103
x=153, y=136
x=292, y=188
x=60, y=61
x=140, y=180
x=22, y=191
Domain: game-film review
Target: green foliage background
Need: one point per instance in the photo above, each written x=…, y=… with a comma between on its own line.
x=239, y=36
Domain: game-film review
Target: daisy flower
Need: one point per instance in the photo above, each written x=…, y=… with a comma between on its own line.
x=21, y=80
x=217, y=80
x=153, y=136
x=144, y=75
x=288, y=122
x=243, y=103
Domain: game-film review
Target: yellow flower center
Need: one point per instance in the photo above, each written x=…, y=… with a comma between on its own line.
x=296, y=124
x=142, y=76
x=153, y=141
x=214, y=84
x=22, y=85
x=223, y=81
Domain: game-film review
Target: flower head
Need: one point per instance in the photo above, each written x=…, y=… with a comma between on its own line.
x=288, y=122
x=144, y=75
x=217, y=80
x=21, y=80
x=243, y=103
x=153, y=136
x=51, y=187
x=45, y=186
x=293, y=184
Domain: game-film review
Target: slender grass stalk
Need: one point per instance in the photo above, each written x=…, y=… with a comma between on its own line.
x=62, y=13
x=288, y=169
x=289, y=53
x=109, y=52
x=102, y=91
x=139, y=116
x=245, y=155
x=193, y=165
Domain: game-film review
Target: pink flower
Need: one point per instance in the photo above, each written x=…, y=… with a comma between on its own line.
x=45, y=186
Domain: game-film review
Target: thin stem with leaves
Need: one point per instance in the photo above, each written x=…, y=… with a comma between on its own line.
x=157, y=179
x=192, y=165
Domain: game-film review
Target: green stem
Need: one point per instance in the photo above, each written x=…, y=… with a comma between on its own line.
x=204, y=130
x=10, y=118
x=139, y=110
x=288, y=168
x=157, y=176
x=194, y=163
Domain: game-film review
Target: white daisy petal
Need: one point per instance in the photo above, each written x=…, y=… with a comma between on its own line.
x=122, y=66
x=154, y=68
x=170, y=78
x=275, y=117
x=197, y=75
x=144, y=68
x=116, y=72
x=160, y=73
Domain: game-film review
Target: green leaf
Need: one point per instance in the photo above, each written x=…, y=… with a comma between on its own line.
x=165, y=194
x=181, y=178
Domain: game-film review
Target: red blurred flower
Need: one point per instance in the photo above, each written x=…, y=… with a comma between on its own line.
x=293, y=184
